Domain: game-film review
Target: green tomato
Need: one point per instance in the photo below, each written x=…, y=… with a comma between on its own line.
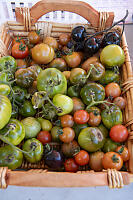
x=64, y=102
x=53, y=81
x=77, y=76
x=112, y=55
x=78, y=127
x=97, y=72
x=8, y=63
x=13, y=132
x=91, y=139
x=94, y=89
x=46, y=125
x=32, y=127
x=110, y=145
x=111, y=116
x=104, y=130
x=3, y=77
x=55, y=133
x=27, y=109
x=109, y=77
x=19, y=93
x=5, y=110
x=73, y=91
x=4, y=89
x=35, y=149
x=10, y=157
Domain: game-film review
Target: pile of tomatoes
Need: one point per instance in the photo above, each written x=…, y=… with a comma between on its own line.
x=60, y=102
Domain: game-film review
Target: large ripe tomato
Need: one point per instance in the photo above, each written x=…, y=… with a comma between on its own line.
x=52, y=81
x=82, y=158
x=112, y=90
x=112, y=160
x=5, y=110
x=70, y=165
x=119, y=133
x=42, y=53
x=67, y=135
x=44, y=137
x=73, y=60
x=20, y=51
x=81, y=116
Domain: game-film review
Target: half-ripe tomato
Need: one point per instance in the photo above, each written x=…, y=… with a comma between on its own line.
x=34, y=37
x=19, y=51
x=73, y=60
x=18, y=40
x=112, y=90
x=44, y=137
x=5, y=110
x=112, y=160
x=70, y=165
x=67, y=135
x=81, y=117
x=67, y=121
x=119, y=133
x=21, y=63
x=123, y=151
x=120, y=102
x=82, y=158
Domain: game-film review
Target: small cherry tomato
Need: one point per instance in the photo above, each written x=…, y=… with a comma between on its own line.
x=67, y=121
x=73, y=60
x=70, y=165
x=34, y=37
x=123, y=151
x=18, y=40
x=44, y=137
x=82, y=158
x=113, y=90
x=67, y=135
x=112, y=160
x=52, y=42
x=20, y=50
x=120, y=101
x=118, y=133
x=64, y=38
x=81, y=117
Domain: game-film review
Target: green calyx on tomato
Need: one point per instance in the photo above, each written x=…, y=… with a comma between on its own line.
x=27, y=109
x=112, y=55
x=55, y=132
x=5, y=110
x=52, y=81
x=8, y=63
x=63, y=102
x=35, y=149
x=10, y=157
x=91, y=139
x=92, y=92
x=32, y=127
x=110, y=145
x=111, y=116
x=13, y=132
x=19, y=93
x=25, y=77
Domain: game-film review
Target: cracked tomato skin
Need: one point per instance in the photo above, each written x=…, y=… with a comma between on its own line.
x=92, y=88
x=111, y=117
x=5, y=107
x=51, y=74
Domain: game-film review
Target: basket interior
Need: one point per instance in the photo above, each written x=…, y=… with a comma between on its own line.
x=11, y=29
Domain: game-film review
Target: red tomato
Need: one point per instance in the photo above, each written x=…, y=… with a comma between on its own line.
x=81, y=117
x=113, y=90
x=19, y=51
x=82, y=158
x=70, y=165
x=119, y=133
x=18, y=40
x=44, y=137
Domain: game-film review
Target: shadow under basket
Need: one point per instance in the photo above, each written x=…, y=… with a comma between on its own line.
x=36, y=174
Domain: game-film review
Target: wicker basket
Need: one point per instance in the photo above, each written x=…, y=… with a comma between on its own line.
x=37, y=174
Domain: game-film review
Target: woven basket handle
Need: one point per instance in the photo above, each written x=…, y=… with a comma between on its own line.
x=81, y=8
